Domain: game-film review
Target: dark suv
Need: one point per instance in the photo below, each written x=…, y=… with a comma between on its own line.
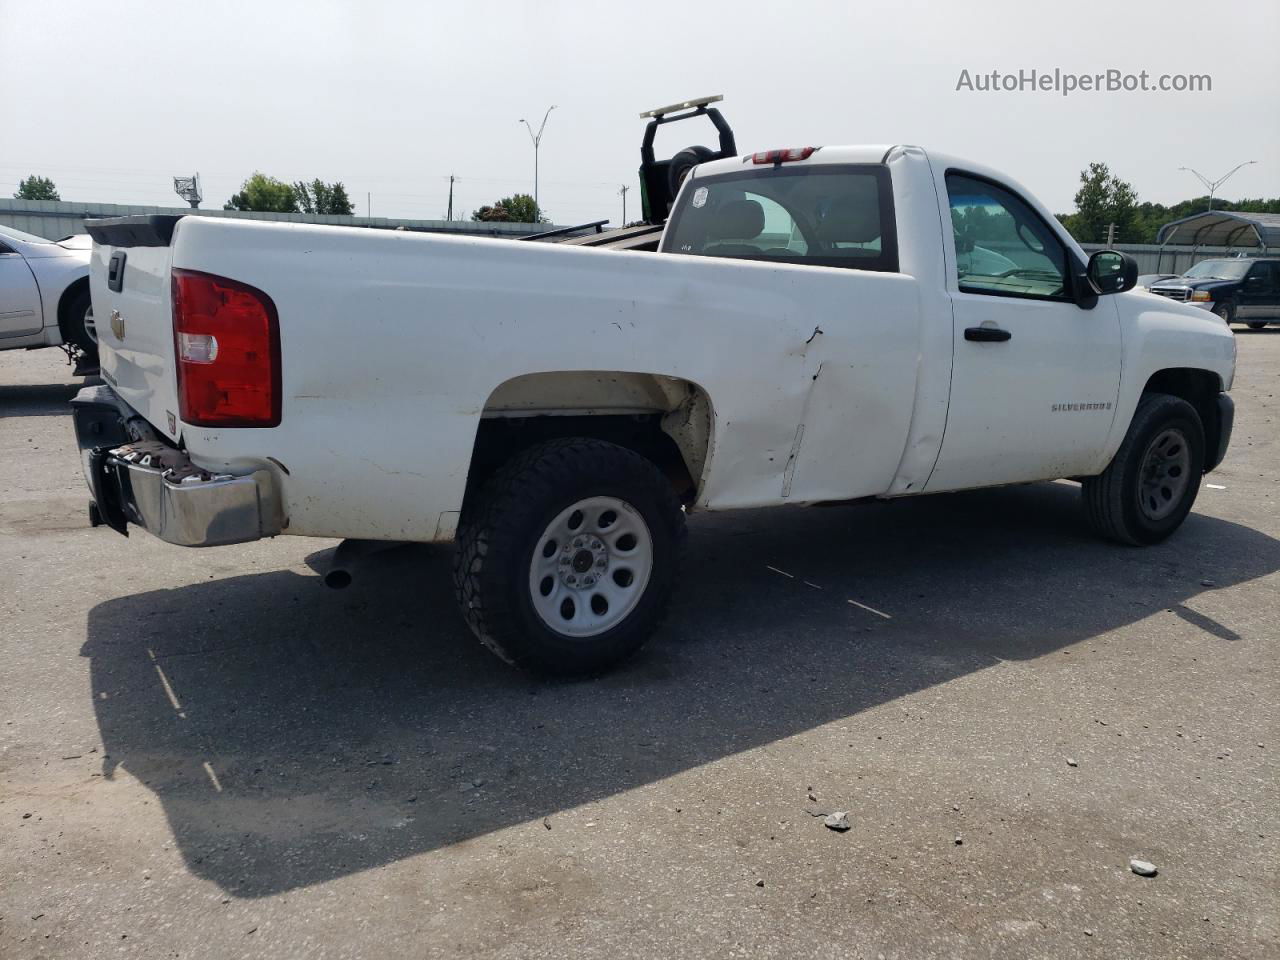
x=1239, y=290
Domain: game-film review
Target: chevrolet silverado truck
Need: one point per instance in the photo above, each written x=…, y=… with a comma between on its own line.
x=816, y=325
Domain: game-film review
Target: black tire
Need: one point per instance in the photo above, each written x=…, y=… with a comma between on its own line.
x=683, y=162
x=1257, y=325
x=1113, y=498
x=502, y=528
x=1226, y=311
x=72, y=323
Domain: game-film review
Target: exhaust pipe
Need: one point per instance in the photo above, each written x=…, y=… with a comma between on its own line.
x=348, y=556
x=338, y=579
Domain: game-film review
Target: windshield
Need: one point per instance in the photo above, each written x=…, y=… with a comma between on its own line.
x=13, y=234
x=821, y=216
x=1218, y=270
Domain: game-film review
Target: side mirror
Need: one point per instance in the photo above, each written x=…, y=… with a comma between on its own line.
x=1111, y=271
x=1255, y=282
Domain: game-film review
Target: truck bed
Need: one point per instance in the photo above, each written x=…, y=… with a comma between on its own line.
x=394, y=346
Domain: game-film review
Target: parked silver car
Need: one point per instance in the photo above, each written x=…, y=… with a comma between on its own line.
x=44, y=294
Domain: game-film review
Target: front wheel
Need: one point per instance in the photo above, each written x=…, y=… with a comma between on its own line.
x=566, y=561
x=1151, y=483
x=1256, y=325
x=78, y=327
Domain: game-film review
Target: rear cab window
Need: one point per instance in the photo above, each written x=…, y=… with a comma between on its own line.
x=827, y=216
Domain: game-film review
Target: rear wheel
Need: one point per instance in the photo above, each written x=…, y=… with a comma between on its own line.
x=566, y=561
x=1152, y=482
x=1256, y=325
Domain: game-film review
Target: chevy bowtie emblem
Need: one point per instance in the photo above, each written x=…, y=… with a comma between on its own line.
x=117, y=324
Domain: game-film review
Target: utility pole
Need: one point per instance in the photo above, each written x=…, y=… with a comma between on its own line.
x=1213, y=185
x=623, y=191
x=368, y=205
x=1111, y=236
x=450, y=196
x=537, y=142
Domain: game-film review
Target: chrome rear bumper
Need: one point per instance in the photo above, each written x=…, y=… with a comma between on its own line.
x=137, y=479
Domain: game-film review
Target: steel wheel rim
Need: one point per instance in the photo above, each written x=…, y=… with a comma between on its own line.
x=1166, y=471
x=90, y=328
x=590, y=567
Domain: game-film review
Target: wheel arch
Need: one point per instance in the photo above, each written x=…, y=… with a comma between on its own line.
x=67, y=297
x=668, y=420
x=1198, y=387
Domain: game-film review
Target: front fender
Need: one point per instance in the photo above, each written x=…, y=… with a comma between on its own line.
x=1157, y=337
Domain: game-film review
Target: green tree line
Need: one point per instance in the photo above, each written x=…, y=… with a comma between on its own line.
x=1103, y=199
x=263, y=193
x=517, y=209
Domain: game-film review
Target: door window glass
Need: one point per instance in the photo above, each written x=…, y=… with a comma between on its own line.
x=1002, y=246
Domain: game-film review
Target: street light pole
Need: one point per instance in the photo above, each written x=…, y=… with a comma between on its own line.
x=537, y=142
x=1213, y=185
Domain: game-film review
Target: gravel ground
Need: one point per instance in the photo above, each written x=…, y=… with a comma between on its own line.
x=208, y=754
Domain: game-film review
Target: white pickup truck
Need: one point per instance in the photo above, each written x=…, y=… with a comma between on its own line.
x=816, y=325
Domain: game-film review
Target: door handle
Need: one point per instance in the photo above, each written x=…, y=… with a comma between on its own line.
x=987, y=334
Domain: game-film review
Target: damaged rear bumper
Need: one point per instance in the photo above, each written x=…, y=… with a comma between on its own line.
x=136, y=478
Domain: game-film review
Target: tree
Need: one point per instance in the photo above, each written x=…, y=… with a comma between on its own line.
x=516, y=209
x=1104, y=199
x=36, y=188
x=320, y=197
x=264, y=193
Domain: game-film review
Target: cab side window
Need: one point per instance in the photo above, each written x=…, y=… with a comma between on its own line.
x=1263, y=276
x=1003, y=247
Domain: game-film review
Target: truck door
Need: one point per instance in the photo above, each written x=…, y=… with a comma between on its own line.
x=1035, y=377
x=1259, y=297
x=20, y=313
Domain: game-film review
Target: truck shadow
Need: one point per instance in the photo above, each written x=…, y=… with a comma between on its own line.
x=38, y=399
x=294, y=735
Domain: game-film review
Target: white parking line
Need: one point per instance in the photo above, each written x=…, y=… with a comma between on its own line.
x=1215, y=486
x=213, y=777
x=783, y=572
x=878, y=613
x=164, y=682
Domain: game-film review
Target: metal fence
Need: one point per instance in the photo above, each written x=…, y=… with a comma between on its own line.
x=55, y=219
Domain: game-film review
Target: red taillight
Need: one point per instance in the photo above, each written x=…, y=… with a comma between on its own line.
x=227, y=346
x=782, y=156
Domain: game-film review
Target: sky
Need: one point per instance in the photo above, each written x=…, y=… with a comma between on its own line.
x=112, y=100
